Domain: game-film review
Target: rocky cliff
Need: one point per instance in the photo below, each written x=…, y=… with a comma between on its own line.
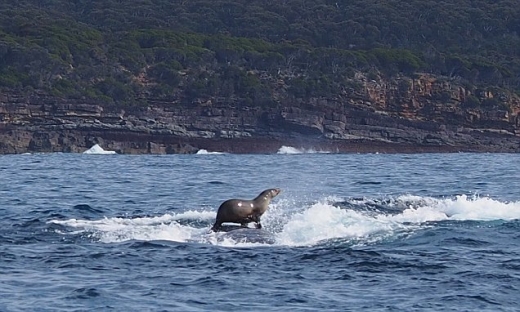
x=423, y=114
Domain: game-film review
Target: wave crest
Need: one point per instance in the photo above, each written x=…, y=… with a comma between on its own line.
x=358, y=221
x=293, y=150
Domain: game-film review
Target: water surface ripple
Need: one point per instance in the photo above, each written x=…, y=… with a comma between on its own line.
x=374, y=232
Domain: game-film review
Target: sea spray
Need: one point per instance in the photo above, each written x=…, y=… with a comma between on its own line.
x=295, y=224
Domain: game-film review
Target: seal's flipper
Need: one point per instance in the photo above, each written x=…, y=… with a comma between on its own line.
x=216, y=227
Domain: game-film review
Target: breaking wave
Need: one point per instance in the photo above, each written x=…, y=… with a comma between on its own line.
x=293, y=150
x=206, y=152
x=358, y=221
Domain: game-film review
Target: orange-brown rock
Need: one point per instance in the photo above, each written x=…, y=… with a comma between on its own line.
x=420, y=114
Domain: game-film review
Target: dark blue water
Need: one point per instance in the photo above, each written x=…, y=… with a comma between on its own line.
x=362, y=232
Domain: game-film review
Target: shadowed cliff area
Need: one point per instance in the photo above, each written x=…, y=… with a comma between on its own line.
x=249, y=76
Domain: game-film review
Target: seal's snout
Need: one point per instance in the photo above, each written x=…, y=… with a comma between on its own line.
x=276, y=191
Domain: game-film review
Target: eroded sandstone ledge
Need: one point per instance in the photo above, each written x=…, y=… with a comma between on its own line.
x=383, y=117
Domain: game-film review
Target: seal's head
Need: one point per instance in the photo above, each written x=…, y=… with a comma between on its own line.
x=269, y=194
x=275, y=192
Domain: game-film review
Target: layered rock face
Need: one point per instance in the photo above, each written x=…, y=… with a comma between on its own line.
x=423, y=114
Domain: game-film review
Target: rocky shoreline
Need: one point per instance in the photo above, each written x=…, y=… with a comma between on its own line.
x=381, y=118
x=154, y=131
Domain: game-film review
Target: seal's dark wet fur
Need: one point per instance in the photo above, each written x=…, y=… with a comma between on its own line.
x=244, y=211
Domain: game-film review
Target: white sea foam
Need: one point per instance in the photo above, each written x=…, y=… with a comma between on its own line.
x=306, y=226
x=117, y=229
x=464, y=208
x=324, y=221
x=206, y=152
x=98, y=150
x=293, y=150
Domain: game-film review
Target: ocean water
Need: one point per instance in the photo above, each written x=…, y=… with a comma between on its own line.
x=349, y=232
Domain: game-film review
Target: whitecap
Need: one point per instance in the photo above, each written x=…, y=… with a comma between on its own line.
x=290, y=223
x=206, y=152
x=288, y=150
x=98, y=150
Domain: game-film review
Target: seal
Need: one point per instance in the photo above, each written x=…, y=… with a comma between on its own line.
x=244, y=211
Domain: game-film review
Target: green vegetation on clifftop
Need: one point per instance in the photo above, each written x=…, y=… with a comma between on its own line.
x=130, y=52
